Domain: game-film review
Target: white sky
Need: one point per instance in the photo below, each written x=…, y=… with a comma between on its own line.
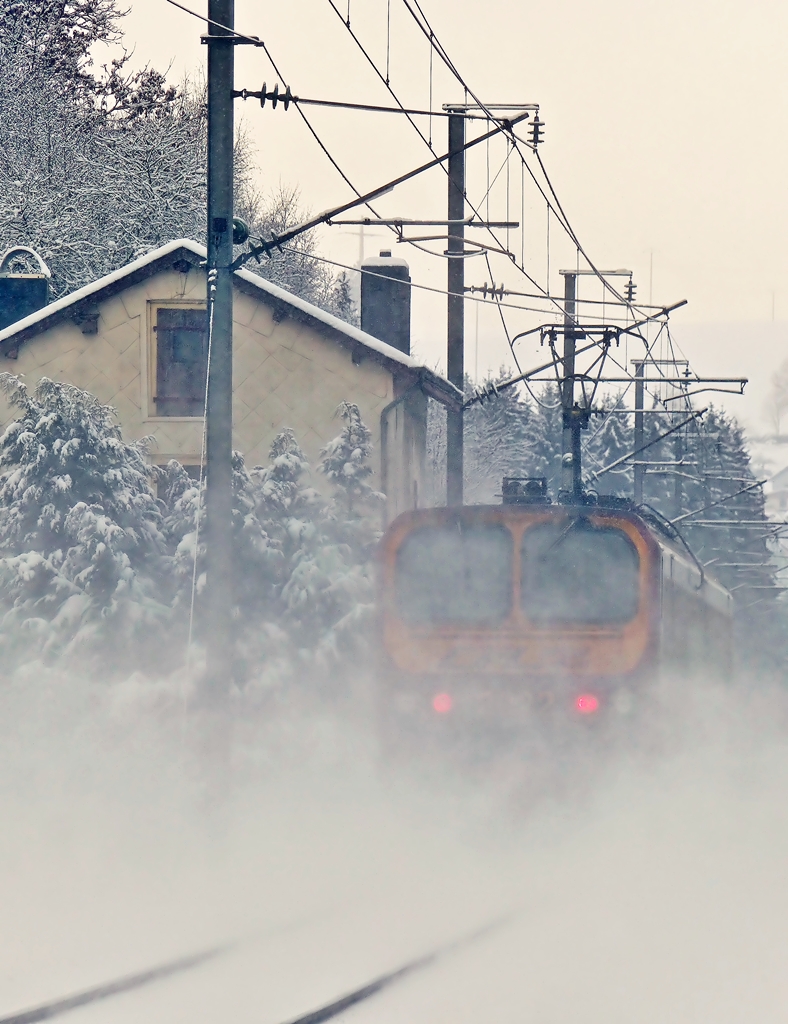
x=664, y=139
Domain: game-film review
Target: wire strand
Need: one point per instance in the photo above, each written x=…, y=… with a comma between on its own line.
x=198, y=515
x=421, y=287
x=427, y=28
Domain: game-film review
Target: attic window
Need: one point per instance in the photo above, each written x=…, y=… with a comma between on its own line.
x=181, y=347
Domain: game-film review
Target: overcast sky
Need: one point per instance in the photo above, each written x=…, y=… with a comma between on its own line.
x=665, y=140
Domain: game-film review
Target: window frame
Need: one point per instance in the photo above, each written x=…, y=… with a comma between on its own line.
x=541, y=622
x=486, y=623
x=153, y=355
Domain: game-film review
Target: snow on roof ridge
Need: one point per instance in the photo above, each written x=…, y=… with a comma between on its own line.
x=273, y=290
x=91, y=289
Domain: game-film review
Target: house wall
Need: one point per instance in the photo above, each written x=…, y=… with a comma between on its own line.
x=285, y=374
x=404, y=442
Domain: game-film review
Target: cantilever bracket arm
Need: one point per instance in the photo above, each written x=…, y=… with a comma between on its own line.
x=266, y=247
x=483, y=393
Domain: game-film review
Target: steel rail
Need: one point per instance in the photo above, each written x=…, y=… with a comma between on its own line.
x=45, y=1011
x=337, y=1006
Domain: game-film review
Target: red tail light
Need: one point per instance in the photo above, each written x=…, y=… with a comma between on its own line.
x=586, y=703
x=442, y=703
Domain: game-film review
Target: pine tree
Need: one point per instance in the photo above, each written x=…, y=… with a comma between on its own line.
x=495, y=436
x=715, y=465
x=302, y=584
x=345, y=462
x=287, y=509
x=81, y=572
x=341, y=302
x=740, y=556
x=605, y=442
x=543, y=438
x=331, y=591
x=98, y=167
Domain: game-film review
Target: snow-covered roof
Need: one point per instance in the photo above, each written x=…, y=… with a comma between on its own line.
x=165, y=256
x=779, y=481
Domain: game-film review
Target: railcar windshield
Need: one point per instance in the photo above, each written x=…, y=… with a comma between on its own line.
x=578, y=572
x=455, y=573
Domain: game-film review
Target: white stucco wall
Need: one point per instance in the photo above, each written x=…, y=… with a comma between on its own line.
x=285, y=374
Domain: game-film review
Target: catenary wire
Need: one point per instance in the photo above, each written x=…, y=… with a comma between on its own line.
x=254, y=40
x=434, y=43
x=437, y=47
x=429, y=31
x=503, y=320
x=314, y=133
x=258, y=42
x=428, y=142
x=498, y=121
x=421, y=287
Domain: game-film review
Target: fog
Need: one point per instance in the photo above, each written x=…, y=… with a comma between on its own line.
x=632, y=872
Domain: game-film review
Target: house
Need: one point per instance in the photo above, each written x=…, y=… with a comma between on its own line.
x=137, y=340
x=776, y=492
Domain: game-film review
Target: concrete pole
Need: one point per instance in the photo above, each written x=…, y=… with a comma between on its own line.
x=220, y=384
x=456, y=305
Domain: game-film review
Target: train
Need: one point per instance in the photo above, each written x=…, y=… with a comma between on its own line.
x=504, y=612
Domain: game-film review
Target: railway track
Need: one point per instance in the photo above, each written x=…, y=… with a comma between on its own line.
x=160, y=972
x=46, y=1011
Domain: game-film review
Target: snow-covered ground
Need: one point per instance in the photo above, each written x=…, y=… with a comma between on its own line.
x=652, y=890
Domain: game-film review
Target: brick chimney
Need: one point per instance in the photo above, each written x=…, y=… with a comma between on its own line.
x=385, y=299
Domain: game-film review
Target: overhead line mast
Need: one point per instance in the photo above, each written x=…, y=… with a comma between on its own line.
x=219, y=427
x=455, y=324
x=455, y=253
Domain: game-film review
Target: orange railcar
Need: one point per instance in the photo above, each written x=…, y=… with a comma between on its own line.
x=505, y=608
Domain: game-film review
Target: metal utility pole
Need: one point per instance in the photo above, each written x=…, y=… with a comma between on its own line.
x=571, y=469
x=456, y=303
x=678, y=455
x=220, y=378
x=639, y=469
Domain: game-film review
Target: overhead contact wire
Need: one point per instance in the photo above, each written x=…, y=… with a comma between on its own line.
x=429, y=31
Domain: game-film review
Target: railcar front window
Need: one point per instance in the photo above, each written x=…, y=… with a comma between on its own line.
x=450, y=574
x=578, y=572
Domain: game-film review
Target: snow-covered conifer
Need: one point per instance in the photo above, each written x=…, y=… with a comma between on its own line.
x=329, y=593
x=81, y=572
x=99, y=166
x=341, y=301
x=543, y=438
x=607, y=439
x=495, y=432
x=345, y=462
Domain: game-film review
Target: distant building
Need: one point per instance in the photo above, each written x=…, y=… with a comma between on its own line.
x=137, y=340
x=776, y=494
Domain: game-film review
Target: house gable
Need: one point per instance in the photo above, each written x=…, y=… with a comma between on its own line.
x=183, y=256
x=292, y=366
x=285, y=371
